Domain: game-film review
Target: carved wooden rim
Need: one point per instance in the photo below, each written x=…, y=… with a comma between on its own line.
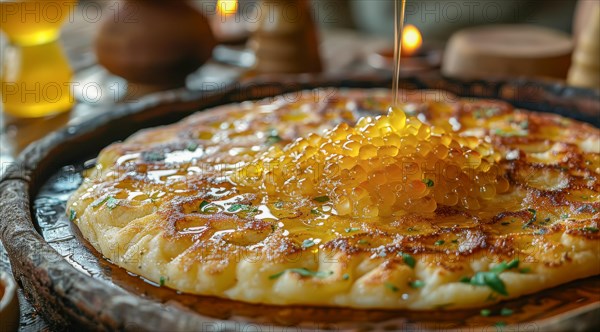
x=68, y=298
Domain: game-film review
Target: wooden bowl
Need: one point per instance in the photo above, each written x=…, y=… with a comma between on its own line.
x=74, y=288
x=507, y=51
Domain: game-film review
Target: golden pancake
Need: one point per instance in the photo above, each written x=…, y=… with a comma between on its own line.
x=324, y=198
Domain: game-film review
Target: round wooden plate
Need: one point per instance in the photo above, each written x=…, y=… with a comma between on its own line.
x=74, y=287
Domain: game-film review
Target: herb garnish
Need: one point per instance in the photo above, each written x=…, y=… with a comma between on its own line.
x=590, y=229
x=491, y=278
x=391, y=287
x=72, y=215
x=439, y=242
x=346, y=276
x=501, y=132
x=363, y=241
x=242, y=207
x=192, y=146
x=533, y=218
x=273, y=138
x=322, y=199
x=409, y=260
x=203, y=204
x=99, y=201
x=506, y=312
x=352, y=229
x=303, y=272
x=153, y=156
x=416, y=284
x=279, y=204
x=485, y=312
x=162, y=281
x=428, y=182
x=487, y=112
x=112, y=202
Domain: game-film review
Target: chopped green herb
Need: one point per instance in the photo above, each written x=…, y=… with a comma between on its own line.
x=203, y=204
x=304, y=272
x=500, y=324
x=506, y=312
x=391, y=287
x=72, y=215
x=346, y=276
x=412, y=229
x=485, y=312
x=99, y=201
x=439, y=242
x=590, y=229
x=485, y=112
x=465, y=280
x=235, y=207
x=162, y=281
x=532, y=219
x=192, y=146
x=273, y=138
x=112, y=203
x=315, y=211
x=540, y=231
x=416, y=284
x=363, y=241
x=506, y=223
x=153, y=156
x=501, y=132
x=503, y=266
x=491, y=280
x=454, y=241
x=273, y=227
x=564, y=216
x=409, y=260
x=513, y=264
x=308, y=243
x=322, y=199
x=525, y=270
x=279, y=204
x=352, y=229
x=428, y=182
x=242, y=207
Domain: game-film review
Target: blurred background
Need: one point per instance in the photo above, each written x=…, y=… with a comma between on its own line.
x=65, y=61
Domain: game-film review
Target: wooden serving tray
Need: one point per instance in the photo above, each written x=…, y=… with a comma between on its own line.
x=74, y=287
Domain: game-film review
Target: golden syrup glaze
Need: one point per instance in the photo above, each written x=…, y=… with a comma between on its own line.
x=174, y=187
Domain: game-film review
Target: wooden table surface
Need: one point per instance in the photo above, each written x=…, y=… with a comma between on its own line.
x=341, y=51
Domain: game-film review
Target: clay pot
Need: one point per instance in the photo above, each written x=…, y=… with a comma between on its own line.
x=153, y=44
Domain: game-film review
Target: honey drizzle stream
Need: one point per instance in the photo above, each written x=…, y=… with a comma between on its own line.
x=399, y=6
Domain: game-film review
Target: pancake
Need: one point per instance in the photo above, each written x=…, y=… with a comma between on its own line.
x=444, y=203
